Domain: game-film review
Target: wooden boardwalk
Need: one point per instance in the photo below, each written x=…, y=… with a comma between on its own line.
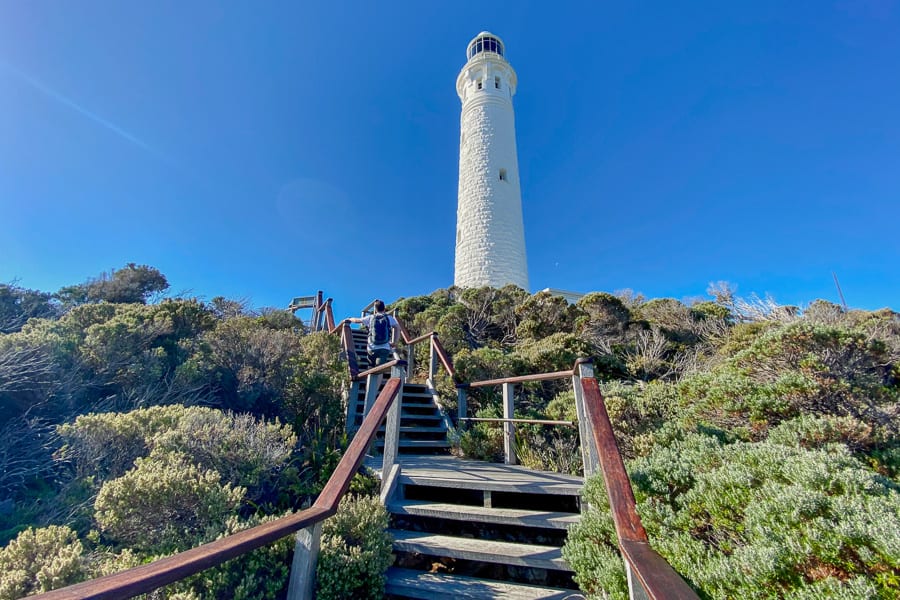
x=453, y=472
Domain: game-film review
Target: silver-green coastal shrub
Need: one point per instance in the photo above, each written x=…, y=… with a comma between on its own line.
x=754, y=520
x=258, y=575
x=245, y=451
x=355, y=551
x=165, y=503
x=591, y=548
x=40, y=560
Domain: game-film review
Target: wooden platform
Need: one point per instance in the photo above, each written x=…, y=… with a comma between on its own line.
x=453, y=472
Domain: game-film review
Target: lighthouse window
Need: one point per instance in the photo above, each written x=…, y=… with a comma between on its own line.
x=502, y=174
x=479, y=84
x=497, y=82
x=486, y=44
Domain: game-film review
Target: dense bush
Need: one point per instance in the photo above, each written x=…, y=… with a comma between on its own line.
x=355, y=551
x=40, y=560
x=796, y=369
x=243, y=450
x=753, y=520
x=258, y=575
x=165, y=503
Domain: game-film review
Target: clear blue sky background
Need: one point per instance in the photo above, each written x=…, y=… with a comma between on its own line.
x=267, y=150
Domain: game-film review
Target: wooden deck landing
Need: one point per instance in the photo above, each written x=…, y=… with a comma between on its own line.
x=450, y=471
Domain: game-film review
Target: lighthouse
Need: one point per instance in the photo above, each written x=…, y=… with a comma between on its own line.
x=490, y=234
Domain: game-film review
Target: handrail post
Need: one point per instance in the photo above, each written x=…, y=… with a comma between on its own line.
x=392, y=425
x=329, y=315
x=589, y=457
x=509, y=428
x=373, y=382
x=635, y=590
x=410, y=361
x=461, y=400
x=433, y=358
x=318, y=312
x=302, y=582
x=352, y=400
x=349, y=349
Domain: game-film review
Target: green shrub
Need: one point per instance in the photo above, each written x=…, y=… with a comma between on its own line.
x=553, y=448
x=482, y=440
x=258, y=575
x=165, y=503
x=794, y=369
x=355, y=551
x=105, y=445
x=755, y=520
x=244, y=451
x=591, y=548
x=40, y=560
x=637, y=412
x=814, y=431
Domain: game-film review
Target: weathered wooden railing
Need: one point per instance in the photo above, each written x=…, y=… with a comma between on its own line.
x=308, y=523
x=650, y=577
x=509, y=420
x=437, y=353
x=372, y=377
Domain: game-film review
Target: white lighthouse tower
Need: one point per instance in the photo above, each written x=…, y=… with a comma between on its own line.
x=490, y=234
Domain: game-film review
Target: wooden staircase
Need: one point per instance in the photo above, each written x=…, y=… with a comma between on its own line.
x=469, y=529
x=423, y=427
x=463, y=528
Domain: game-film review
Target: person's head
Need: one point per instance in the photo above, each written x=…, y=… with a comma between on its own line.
x=379, y=306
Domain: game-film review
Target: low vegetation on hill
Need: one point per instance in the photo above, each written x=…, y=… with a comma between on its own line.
x=762, y=441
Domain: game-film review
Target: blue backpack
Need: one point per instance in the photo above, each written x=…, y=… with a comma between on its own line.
x=380, y=331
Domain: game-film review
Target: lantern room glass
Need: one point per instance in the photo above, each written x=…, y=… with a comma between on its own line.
x=486, y=44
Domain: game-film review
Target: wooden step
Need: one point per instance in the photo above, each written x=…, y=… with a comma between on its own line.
x=419, y=584
x=490, y=551
x=502, y=516
x=417, y=429
x=522, y=485
x=420, y=429
x=418, y=443
x=408, y=415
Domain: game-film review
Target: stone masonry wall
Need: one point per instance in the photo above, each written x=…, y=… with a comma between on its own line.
x=490, y=238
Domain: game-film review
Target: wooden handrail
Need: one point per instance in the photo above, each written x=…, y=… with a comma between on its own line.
x=519, y=379
x=404, y=333
x=349, y=348
x=414, y=341
x=378, y=369
x=146, y=578
x=659, y=580
x=533, y=421
x=442, y=354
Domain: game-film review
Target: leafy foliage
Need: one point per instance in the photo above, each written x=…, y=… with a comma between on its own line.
x=355, y=551
x=18, y=305
x=242, y=450
x=40, y=560
x=165, y=503
x=130, y=284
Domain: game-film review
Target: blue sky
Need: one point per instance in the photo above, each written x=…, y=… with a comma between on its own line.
x=267, y=150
